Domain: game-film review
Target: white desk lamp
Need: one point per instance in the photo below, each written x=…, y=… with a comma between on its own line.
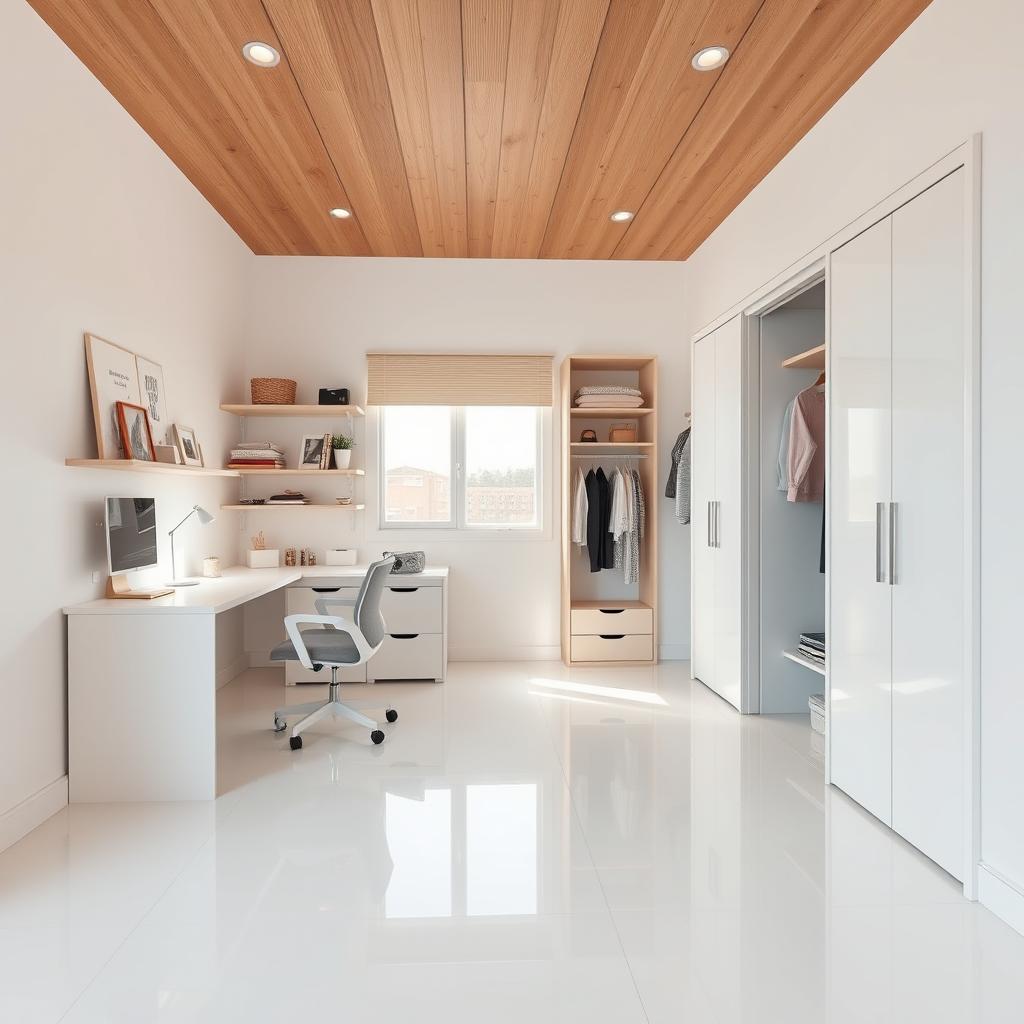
x=205, y=518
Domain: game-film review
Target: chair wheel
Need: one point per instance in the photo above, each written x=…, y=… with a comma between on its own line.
x=391, y=715
x=279, y=724
x=377, y=736
x=295, y=742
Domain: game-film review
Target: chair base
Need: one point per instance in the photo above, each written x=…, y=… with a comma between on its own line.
x=332, y=708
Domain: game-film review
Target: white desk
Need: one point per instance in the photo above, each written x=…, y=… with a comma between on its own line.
x=142, y=682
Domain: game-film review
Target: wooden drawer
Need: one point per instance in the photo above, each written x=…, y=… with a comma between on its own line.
x=408, y=656
x=612, y=647
x=610, y=618
x=412, y=609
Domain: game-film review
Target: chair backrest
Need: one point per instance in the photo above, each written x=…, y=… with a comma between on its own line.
x=367, y=614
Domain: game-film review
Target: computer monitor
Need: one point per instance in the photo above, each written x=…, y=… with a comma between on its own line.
x=131, y=534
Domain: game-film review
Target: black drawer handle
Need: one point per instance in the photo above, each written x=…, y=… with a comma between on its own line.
x=403, y=636
x=325, y=590
x=612, y=636
x=611, y=611
x=403, y=590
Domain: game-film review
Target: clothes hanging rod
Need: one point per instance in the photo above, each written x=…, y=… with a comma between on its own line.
x=611, y=456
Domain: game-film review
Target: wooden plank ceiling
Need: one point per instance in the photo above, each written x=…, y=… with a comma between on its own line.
x=483, y=128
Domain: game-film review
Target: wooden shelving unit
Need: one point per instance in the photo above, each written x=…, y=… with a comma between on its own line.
x=295, y=411
x=139, y=466
x=628, y=617
x=812, y=359
x=321, y=507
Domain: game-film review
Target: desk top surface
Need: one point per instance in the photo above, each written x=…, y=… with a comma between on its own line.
x=239, y=585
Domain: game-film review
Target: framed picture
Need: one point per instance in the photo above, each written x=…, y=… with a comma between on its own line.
x=185, y=439
x=151, y=395
x=311, y=451
x=136, y=437
x=113, y=378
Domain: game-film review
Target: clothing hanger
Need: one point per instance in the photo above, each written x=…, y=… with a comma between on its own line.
x=821, y=379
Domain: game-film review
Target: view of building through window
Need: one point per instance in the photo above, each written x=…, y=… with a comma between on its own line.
x=497, y=448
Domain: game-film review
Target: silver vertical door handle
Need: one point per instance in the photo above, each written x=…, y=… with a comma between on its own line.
x=711, y=542
x=879, y=516
x=892, y=543
x=718, y=524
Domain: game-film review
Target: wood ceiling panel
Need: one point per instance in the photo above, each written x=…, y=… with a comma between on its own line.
x=503, y=128
x=333, y=51
x=237, y=133
x=639, y=104
x=798, y=58
x=421, y=41
x=551, y=52
x=485, y=35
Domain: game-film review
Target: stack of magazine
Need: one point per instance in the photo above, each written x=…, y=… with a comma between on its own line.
x=288, y=498
x=256, y=455
x=812, y=645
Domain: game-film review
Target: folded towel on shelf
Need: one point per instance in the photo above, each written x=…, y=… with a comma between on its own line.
x=609, y=402
x=607, y=389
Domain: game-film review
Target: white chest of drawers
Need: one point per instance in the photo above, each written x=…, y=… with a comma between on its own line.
x=415, y=610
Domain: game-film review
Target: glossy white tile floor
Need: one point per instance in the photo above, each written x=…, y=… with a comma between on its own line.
x=529, y=845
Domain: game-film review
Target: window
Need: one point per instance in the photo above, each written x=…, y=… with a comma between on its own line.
x=477, y=468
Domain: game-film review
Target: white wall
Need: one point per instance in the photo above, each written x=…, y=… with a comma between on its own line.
x=957, y=70
x=99, y=232
x=315, y=319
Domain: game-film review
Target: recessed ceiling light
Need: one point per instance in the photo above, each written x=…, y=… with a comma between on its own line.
x=263, y=55
x=709, y=58
x=620, y=215
x=341, y=213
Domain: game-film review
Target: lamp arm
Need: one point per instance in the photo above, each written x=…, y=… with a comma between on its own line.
x=191, y=512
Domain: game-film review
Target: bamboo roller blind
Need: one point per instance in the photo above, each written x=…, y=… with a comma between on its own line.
x=400, y=378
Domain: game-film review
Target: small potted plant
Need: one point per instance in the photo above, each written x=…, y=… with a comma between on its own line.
x=342, y=446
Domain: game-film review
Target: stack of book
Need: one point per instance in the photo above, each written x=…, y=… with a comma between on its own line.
x=256, y=455
x=288, y=498
x=812, y=645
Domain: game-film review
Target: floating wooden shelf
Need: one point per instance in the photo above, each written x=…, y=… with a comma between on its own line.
x=139, y=466
x=269, y=471
x=321, y=506
x=610, y=414
x=328, y=411
x=812, y=359
x=802, y=659
x=611, y=444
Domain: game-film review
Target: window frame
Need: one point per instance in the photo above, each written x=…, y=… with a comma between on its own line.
x=457, y=520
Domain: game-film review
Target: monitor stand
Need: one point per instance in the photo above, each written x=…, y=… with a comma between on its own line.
x=117, y=586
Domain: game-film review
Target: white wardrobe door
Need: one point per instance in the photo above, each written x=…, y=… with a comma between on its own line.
x=928, y=253
x=728, y=524
x=702, y=492
x=859, y=476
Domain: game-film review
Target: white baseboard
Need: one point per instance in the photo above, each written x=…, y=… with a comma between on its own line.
x=233, y=669
x=674, y=652
x=16, y=823
x=538, y=653
x=1001, y=896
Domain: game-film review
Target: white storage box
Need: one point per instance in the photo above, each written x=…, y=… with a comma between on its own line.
x=816, y=705
x=341, y=556
x=269, y=558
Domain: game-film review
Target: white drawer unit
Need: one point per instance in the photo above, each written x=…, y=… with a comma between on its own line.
x=612, y=647
x=408, y=656
x=593, y=619
x=414, y=615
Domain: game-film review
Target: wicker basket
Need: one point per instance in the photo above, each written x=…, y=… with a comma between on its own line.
x=272, y=391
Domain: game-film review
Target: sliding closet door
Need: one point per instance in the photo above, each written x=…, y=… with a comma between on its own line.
x=702, y=493
x=928, y=253
x=728, y=512
x=859, y=481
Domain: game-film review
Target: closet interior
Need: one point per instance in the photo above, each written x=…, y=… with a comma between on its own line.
x=609, y=510
x=792, y=508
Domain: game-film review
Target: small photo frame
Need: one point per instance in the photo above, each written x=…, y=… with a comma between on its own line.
x=188, y=445
x=311, y=451
x=136, y=436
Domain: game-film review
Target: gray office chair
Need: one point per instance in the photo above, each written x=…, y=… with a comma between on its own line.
x=336, y=643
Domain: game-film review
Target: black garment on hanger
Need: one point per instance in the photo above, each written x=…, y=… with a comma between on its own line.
x=607, y=541
x=593, y=520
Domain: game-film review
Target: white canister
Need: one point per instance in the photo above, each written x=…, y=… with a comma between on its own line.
x=341, y=556
x=211, y=567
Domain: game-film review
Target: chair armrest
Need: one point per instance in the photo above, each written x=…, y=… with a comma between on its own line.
x=323, y=603
x=292, y=623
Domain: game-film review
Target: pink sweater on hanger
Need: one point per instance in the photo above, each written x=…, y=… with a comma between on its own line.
x=807, y=447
